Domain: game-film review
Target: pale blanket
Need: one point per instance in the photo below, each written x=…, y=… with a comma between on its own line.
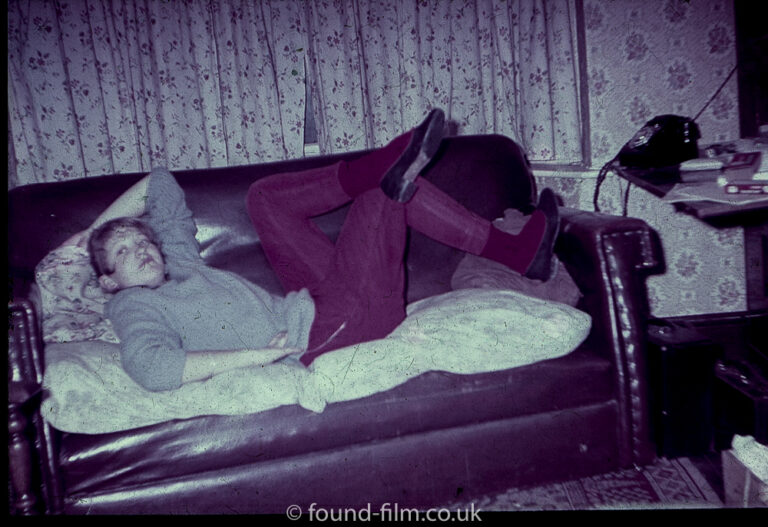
x=466, y=331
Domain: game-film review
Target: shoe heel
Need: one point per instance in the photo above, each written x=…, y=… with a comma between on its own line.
x=542, y=268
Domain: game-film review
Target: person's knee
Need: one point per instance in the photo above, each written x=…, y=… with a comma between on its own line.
x=257, y=200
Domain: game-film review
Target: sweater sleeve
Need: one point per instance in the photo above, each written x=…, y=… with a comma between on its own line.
x=298, y=313
x=171, y=219
x=151, y=352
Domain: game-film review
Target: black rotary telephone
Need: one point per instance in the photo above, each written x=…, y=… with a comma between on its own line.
x=663, y=141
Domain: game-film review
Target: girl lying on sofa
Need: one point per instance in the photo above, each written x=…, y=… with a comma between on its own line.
x=179, y=320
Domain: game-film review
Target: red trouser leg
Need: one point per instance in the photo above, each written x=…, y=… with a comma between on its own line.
x=281, y=208
x=358, y=282
x=362, y=297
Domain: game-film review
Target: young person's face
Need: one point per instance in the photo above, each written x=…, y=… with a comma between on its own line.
x=136, y=262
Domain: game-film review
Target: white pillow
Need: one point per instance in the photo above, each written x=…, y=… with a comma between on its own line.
x=89, y=392
x=466, y=331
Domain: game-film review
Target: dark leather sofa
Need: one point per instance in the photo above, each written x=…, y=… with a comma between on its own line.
x=435, y=439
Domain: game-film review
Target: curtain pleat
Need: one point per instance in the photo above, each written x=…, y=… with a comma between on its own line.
x=378, y=67
x=108, y=86
x=99, y=87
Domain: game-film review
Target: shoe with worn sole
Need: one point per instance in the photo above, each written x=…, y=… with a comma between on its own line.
x=398, y=182
x=543, y=265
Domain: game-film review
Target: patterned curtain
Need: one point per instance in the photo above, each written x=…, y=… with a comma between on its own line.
x=508, y=67
x=105, y=86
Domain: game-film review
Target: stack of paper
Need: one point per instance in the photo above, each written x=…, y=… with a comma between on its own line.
x=740, y=166
x=713, y=191
x=735, y=173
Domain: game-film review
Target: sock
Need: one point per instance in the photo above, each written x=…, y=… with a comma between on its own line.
x=516, y=251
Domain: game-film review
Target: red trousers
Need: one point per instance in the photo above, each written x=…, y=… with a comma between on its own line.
x=357, y=282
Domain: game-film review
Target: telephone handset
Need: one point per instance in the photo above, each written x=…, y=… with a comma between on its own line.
x=663, y=141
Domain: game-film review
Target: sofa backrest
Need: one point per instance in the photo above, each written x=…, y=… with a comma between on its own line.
x=486, y=174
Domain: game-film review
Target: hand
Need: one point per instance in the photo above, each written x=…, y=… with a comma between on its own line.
x=79, y=239
x=279, y=340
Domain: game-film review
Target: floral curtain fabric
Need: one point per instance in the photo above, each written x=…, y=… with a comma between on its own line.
x=377, y=67
x=106, y=86
x=99, y=86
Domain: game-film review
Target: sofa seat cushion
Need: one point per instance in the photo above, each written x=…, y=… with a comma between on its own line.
x=432, y=401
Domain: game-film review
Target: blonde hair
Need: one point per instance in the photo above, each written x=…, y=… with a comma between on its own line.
x=99, y=238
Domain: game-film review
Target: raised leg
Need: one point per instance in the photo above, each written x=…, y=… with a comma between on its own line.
x=529, y=252
x=282, y=206
x=362, y=297
x=358, y=282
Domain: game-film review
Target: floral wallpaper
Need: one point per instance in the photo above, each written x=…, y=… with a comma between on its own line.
x=651, y=58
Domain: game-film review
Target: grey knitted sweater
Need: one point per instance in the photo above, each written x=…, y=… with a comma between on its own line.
x=199, y=307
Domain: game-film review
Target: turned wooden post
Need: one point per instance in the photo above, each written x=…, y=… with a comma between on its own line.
x=24, y=384
x=19, y=461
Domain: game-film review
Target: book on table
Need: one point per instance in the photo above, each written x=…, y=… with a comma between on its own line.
x=739, y=166
x=746, y=187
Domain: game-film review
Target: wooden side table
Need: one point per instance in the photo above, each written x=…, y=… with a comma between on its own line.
x=753, y=217
x=738, y=383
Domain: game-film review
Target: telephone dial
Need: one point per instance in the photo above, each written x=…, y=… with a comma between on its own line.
x=663, y=141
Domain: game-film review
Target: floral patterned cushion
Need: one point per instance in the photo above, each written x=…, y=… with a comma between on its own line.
x=476, y=272
x=72, y=301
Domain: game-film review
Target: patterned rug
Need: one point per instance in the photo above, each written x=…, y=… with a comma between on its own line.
x=667, y=484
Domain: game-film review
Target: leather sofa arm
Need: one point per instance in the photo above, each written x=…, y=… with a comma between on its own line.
x=613, y=242
x=25, y=367
x=609, y=258
x=29, y=437
x=24, y=383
